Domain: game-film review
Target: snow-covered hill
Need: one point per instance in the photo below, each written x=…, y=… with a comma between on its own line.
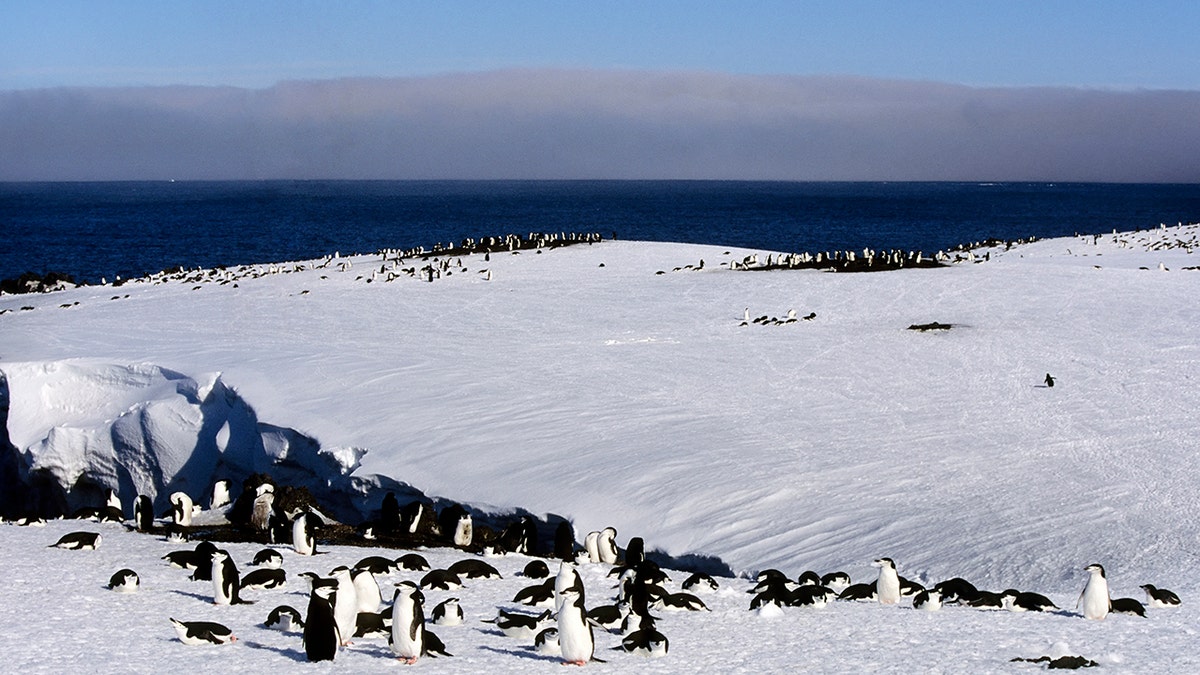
x=580, y=381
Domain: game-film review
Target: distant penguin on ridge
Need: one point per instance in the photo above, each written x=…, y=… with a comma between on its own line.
x=1049, y=380
x=220, y=495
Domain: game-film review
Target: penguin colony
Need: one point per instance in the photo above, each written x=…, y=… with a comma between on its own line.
x=554, y=616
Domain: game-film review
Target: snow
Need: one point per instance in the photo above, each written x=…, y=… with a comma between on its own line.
x=579, y=382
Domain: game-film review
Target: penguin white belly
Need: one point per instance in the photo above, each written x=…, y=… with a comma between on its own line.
x=367, y=591
x=408, y=625
x=345, y=606
x=1095, y=599
x=887, y=587
x=301, y=540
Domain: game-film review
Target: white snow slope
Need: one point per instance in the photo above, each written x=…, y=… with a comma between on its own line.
x=578, y=381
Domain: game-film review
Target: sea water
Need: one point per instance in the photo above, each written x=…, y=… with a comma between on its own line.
x=94, y=230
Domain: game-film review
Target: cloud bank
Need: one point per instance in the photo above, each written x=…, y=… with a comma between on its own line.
x=556, y=124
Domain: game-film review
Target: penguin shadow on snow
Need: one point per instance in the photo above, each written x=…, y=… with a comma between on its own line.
x=199, y=596
x=522, y=652
x=296, y=655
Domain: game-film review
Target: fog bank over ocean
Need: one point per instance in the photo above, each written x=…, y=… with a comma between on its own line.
x=532, y=124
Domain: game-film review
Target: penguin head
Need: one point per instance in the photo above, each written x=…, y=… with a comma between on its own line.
x=884, y=563
x=1096, y=569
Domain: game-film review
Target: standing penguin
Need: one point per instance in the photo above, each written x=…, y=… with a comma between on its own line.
x=302, y=537
x=887, y=586
x=575, y=637
x=113, y=501
x=220, y=494
x=590, y=544
x=366, y=590
x=321, y=637
x=225, y=579
x=564, y=541
x=606, y=546
x=345, y=603
x=408, y=623
x=143, y=514
x=463, y=531
x=1095, y=598
x=1049, y=380
x=181, y=509
x=264, y=503
x=568, y=577
x=389, y=514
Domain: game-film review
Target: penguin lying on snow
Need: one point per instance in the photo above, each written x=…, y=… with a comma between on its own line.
x=1160, y=597
x=522, y=626
x=268, y=557
x=1128, y=606
x=124, y=581
x=202, y=632
x=78, y=541
x=1016, y=601
x=285, y=618
x=473, y=569
x=447, y=613
x=264, y=579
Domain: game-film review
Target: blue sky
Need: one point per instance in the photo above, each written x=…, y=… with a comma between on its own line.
x=1095, y=44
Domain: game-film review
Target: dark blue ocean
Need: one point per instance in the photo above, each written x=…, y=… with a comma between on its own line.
x=94, y=230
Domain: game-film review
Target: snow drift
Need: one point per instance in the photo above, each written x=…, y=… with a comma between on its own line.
x=615, y=384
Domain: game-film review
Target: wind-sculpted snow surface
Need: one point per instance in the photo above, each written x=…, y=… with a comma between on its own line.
x=143, y=429
x=615, y=384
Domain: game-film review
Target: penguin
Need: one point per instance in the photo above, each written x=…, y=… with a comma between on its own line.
x=371, y=625
x=377, y=565
x=225, y=580
x=321, y=636
x=220, y=495
x=680, y=601
x=176, y=534
x=191, y=560
x=410, y=517
x=473, y=569
x=442, y=580
x=463, y=531
x=1095, y=599
x=606, y=546
x=538, y=595
x=78, y=541
x=203, y=556
x=269, y=558
x=567, y=578
x=956, y=590
x=389, y=514
x=809, y=595
x=412, y=561
x=536, y=569
x=591, y=545
x=302, y=537
x=1049, y=380
x=887, y=586
x=408, y=623
x=1160, y=597
x=345, y=603
x=143, y=514
x=1128, y=606
x=986, y=600
x=575, y=637
x=635, y=552
x=434, y=646
x=447, y=613
x=193, y=633
x=366, y=589
x=608, y=617
x=809, y=578
x=645, y=641
x=124, y=581
x=1017, y=601
x=699, y=581
x=285, y=618
x=181, y=509
x=521, y=626
x=546, y=642
x=859, y=592
x=929, y=600
x=264, y=579
x=264, y=506
x=564, y=541
x=113, y=501
x=838, y=581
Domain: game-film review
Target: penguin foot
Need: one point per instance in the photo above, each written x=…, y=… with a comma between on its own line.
x=407, y=661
